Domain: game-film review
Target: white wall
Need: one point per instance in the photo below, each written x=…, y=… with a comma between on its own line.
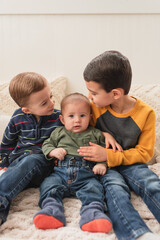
x=55, y=42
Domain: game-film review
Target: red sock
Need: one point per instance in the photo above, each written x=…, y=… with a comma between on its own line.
x=97, y=225
x=43, y=221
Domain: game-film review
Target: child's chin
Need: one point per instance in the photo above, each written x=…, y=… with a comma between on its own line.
x=96, y=104
x=77, y=130
x=50, y=112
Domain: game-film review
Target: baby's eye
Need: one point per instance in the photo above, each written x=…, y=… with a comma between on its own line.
x=71, y=115
x=82, y=115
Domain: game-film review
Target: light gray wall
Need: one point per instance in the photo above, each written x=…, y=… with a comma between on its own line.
x=59, y=37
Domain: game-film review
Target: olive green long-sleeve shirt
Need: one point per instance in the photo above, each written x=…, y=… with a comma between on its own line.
x=71, y=142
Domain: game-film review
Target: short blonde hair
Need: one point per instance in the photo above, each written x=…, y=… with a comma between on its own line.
x=73, y=98
x=24, y=84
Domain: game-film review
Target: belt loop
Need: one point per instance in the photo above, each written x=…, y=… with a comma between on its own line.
x=69, y=163
x=59, y=164
x=83, y=162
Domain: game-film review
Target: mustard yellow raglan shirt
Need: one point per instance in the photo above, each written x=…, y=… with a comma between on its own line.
x=134, y=131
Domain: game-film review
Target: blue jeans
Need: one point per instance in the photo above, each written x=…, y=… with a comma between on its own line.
x=73, y=177
x=118, y=181
x=28, y=170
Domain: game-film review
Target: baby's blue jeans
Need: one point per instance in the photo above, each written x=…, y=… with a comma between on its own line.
x=118, y=182
x=73, y=177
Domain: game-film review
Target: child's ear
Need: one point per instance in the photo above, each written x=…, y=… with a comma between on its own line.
x=117, y=93
x=26, y=110
x=61, y=119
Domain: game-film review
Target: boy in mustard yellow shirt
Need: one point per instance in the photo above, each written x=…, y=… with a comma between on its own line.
x=132, y=123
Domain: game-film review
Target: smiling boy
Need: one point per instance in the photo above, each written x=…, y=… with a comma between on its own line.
x=30, y=125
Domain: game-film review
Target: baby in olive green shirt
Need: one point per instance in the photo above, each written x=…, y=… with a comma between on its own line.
x=76, y=132
x=73, y=175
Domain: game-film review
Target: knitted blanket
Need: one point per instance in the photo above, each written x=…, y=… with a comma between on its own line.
x=19, y=224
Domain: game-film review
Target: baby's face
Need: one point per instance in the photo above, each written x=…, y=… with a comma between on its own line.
x=76, y=117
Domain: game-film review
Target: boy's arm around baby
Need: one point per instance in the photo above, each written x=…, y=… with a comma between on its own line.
x=142, y=152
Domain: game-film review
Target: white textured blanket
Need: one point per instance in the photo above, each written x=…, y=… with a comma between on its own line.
x=19, y=224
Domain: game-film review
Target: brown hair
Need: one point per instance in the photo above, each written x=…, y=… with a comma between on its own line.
x=111, y=70
x=74, y=97
x=24, y=84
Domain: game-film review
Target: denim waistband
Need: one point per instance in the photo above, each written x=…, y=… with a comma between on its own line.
x=74, y=161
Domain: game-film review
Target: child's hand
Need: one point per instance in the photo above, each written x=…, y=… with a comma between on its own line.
x=100, y=168
x=94, y=152
x=58, y=153
x=109, y=140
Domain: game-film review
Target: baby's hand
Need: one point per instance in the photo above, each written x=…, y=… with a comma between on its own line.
x=100, y=168
x=58, y=153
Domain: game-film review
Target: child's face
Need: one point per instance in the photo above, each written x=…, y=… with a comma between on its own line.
x=76, y=117
x=40, y=103
x=98, y=95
